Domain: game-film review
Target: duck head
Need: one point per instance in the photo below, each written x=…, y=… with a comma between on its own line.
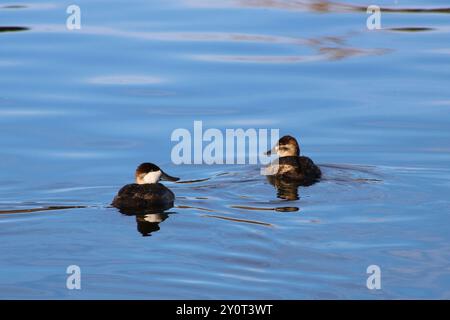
x=285, y=147
x=151, y=173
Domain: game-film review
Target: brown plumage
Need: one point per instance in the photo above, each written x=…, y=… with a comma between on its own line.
x=290, y=166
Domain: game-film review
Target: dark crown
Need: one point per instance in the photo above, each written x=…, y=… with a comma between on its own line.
x=287, y=140
x=147, y=167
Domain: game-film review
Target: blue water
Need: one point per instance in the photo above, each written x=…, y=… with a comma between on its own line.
x=79, y=110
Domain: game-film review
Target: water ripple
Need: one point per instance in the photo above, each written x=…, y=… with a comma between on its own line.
x=125, y=80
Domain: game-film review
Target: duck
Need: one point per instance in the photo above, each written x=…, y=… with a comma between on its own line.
x=290, y=166
x=146, y=193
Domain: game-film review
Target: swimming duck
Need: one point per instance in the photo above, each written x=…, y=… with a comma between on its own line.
x=147, y=192
x=290, y=166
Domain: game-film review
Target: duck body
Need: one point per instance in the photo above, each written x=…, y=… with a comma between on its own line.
x=298, y=169
x=143, y=196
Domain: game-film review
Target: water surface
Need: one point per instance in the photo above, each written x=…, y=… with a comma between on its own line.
x=79, y=110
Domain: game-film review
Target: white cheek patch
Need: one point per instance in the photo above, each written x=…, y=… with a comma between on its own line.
x=277, y=150
x=152, y=177
x=154, y=218
x=286, y=151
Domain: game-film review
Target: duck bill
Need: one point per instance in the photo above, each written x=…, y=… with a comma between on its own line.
x=271, y=151
x=166, y=177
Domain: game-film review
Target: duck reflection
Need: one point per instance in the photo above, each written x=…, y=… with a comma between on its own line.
x=146, y=224
x=147, y=220
x=12, y=29
x=286, y=190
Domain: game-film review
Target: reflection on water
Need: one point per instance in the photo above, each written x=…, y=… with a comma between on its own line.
x=147, y=219
x=410, y=29
x=279, y=209
x=238, y=220
x=50, y=208
x=320, y=48
x=12, y=29
x=125, y=80
x=320, y=6
x=148, y=223
x=287, y=190
x=13, y=6
x=341, y=53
